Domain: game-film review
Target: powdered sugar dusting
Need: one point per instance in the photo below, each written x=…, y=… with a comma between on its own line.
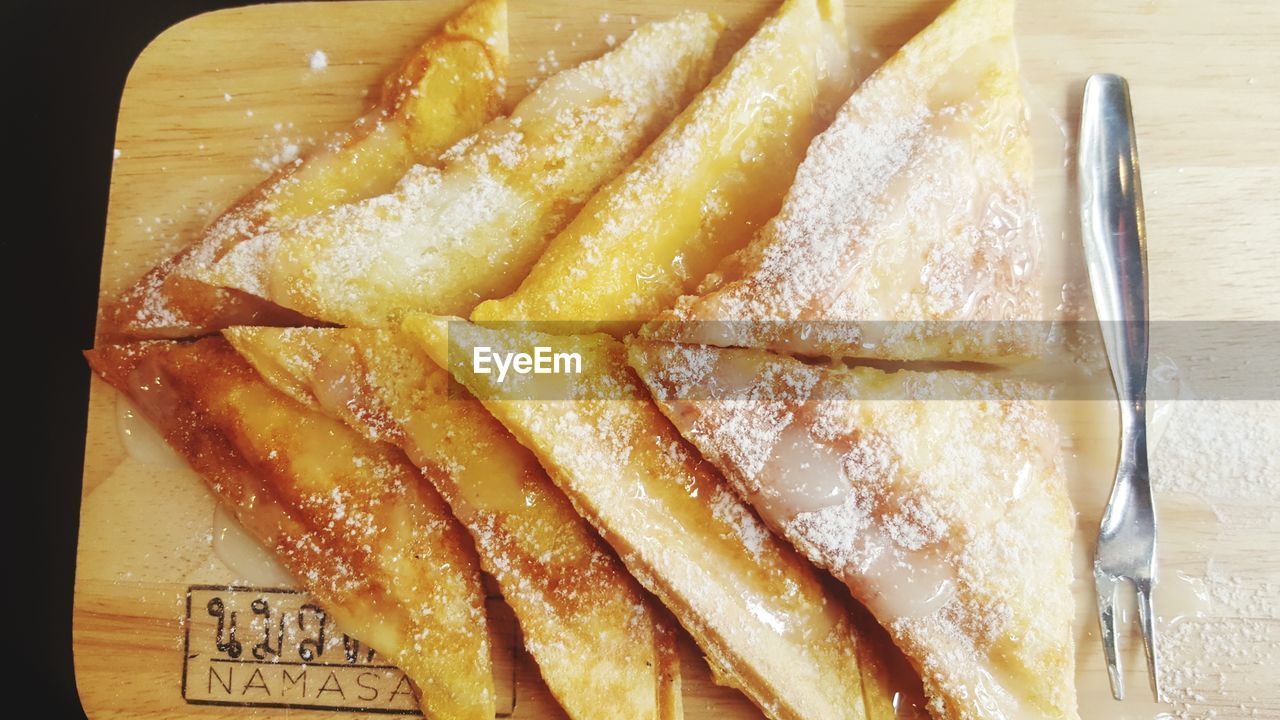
x=445, y=239
x=345, y=516
x=170, y=301
x=754, y=608
x=745, y=125
x=870, y=482
x=1224, y=455
x=570, y=593
x=914, y=205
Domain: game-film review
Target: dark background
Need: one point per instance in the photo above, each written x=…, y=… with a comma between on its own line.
x=66, y=67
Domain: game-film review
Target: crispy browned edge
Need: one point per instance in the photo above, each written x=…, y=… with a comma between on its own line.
x=228, y=473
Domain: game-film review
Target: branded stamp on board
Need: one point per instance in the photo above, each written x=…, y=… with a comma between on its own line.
x=266, y=647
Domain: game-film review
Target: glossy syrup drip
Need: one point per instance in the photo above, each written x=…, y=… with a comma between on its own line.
x=906, y=584
x=1059, y=255
x=247, y=559
x=141, y=440
x=804, y=478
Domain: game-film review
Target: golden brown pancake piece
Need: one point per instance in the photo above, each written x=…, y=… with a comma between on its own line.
x=605, y=648
x=911, y=232
x=448, y=89
x=938, y=498
x=352, y=520
x=767, y=623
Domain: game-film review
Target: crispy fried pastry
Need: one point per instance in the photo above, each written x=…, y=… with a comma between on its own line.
x=766, y=622
x=449, y=88
x=910, y=232
x=352, y=520
x=448, y=238
x=604, y=648
x=948, y=518
x=699, y=191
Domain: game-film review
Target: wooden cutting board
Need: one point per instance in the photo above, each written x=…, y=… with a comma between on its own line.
x=217, y=99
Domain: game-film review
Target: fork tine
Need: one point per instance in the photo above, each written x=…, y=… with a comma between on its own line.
x=1106, y=589
x=1146, y=616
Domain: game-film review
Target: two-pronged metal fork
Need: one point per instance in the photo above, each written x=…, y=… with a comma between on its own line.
x=1115, y=247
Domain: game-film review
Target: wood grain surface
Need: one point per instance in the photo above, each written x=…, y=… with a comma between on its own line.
x=212, y=100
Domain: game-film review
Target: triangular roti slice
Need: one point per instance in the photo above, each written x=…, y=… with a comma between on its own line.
x=448, y=89
x=603, y=646
x=767, y=623
x=351, y=520
x=445, y=239
x=938, y=498
x=697, y=193
x=911, y=231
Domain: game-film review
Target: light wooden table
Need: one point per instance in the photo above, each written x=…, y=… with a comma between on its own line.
x=214, y=98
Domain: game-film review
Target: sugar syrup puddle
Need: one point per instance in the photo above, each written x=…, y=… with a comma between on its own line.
x=246, y=558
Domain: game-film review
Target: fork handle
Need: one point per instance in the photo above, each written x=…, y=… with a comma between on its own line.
x=1115, y=241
